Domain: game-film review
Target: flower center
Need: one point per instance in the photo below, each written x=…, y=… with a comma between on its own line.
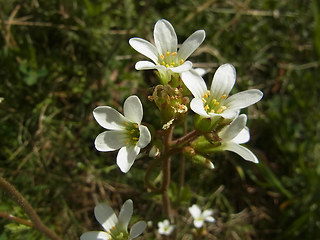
x=117, y=233
x=213, y=105
x=170, y=59
x=133, y=133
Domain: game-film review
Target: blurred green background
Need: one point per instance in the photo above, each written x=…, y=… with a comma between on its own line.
x=61, y=59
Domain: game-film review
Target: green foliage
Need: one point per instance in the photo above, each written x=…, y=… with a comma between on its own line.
x=61, y=59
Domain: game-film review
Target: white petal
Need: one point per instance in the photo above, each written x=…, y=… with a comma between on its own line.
x=126, y=213
x=230, y=132
x=244, y=152
x=197, y=106
x=132, y=109
x=110, y=140
x=243, y=99
x=242, y=137
x=195, y=211
x=105, y=216
x=207, y=213
x=126, y=157
x=145, y=65
x=109, y=118
x=186, y=66
x=191, y=44
x=223, y=80
x=165, y=37
x=144, y=47
x=198, y=223
x=210, y=219
x=195, y=83
x=145, y=137
x=95, y=235
x=137, y=229
x=200, y=71
x=230, y=113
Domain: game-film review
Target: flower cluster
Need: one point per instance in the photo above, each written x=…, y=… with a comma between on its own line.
x=218, y=124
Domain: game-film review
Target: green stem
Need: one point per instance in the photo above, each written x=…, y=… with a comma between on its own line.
x=27, y=208
x=166, y=171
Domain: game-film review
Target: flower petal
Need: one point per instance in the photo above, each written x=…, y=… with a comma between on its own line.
x=243, y=99
x=126, y=157
x=244, y=152
x=110, y=141
x=145, y=65
x=144, y=47
x=186, y=66
x=230, y=132
x=191, y=44
x=195, y=211
x=126, y=213
x=195, y=83
x=109, y=118
x=165, y=37
x=137, y=229
x=198, y=223
x=197, y=106
x=223, y=81
x=145, y=137
x=242, y=137
x=105, y=216
x=132, y=109
x=207, y=213
x=95, y=235
x=210, y=219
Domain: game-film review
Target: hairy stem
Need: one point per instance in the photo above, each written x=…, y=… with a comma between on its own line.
x=27, y=208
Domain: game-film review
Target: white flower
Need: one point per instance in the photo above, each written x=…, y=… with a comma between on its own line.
x=165, y=228
x=216, y=103
x=125, y=133
x=164, y=54
x=234, y=135
x=199, y=217
x=115, y=228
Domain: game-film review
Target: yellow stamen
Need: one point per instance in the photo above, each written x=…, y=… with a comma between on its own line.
x=208, y=92
x=206, y=107
x=136, y=125
x=214, y=101
x=132, y=131
x=203, y=100
x=174, y=54
x=224, y=96
x=135, y=138
x=161, y=56
x=172, y=64
x=212, y=111
x=163, y=63
x=181, y=61
x=217, y=103
x=221, y=109
x=205, y=96
x=167, y=65
x=168, y=53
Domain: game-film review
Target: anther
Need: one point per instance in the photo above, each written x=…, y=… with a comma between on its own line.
x=167, y=65
x=163, y=63
x=214, y=101
x=168, y=53
x=181, y=61
x=203, y=100
x=217, y=103
x=174, y=54
x=205, y=95
x=224, y=96
x=161, y=56
x=206, y=107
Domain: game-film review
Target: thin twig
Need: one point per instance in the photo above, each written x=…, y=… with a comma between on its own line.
x=16, y=219
x=27, y=208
